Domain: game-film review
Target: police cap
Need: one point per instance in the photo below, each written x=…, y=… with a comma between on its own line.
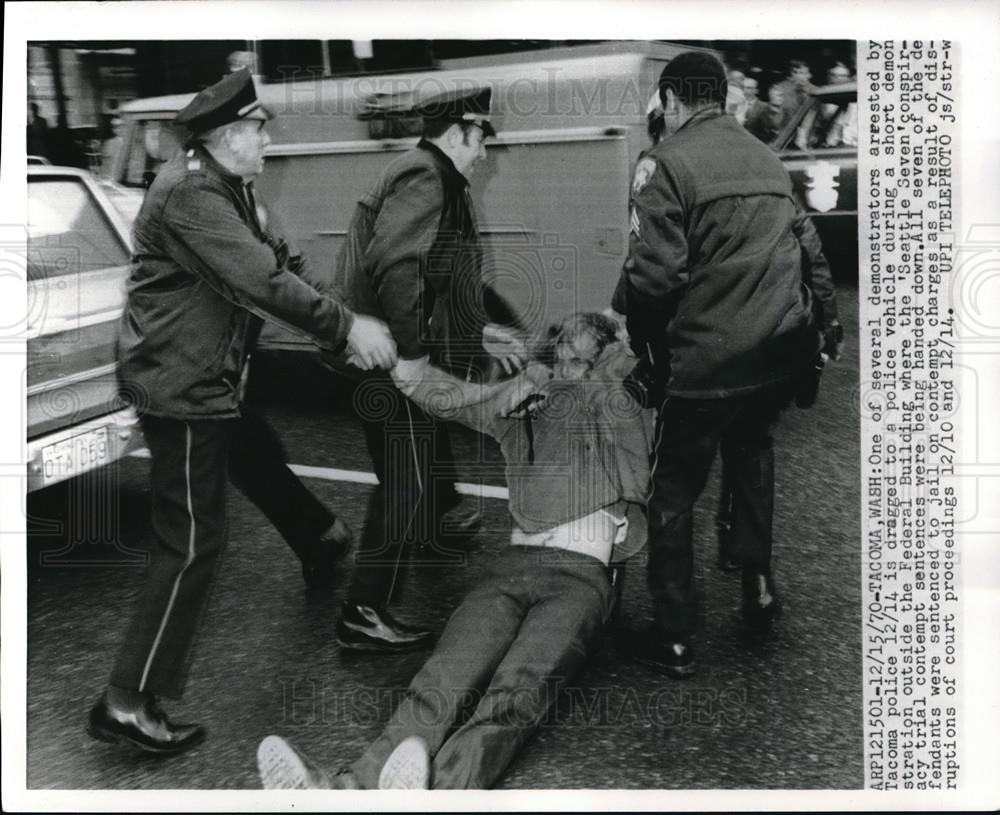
x=229, y=100
x=462, y=105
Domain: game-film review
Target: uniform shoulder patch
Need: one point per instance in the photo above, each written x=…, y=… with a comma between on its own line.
x=643, y=172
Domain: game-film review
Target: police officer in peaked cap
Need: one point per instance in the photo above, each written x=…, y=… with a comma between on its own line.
x=413, y=258
x=206, y=273
x=458, y=106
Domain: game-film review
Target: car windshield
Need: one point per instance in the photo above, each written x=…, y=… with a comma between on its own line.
x=832, y=125
x=67, y=232
x=824, y=124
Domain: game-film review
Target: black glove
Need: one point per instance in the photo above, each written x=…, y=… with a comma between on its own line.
x=807, y=384
x=646, y=383
x=279, y=246
x=833, y=340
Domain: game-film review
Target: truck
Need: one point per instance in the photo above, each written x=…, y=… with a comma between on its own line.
x=551, y=196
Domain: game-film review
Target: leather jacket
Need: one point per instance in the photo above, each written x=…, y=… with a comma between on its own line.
x=413, y=259
x=714, y=283
x=204, y=276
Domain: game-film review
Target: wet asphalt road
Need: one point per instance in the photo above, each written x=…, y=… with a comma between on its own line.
x=783, y=713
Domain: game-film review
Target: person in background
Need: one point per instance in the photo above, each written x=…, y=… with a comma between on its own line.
x=796, y=88
x=764, y=121
x=754, y=102
x=839, y=123
x=716, y=306
x=575, y=463
x=38, y=132
x=795, y=91
x=111, y=147
x=240, y=60
x=838, y=73
x=205, y=274
x=736, y=101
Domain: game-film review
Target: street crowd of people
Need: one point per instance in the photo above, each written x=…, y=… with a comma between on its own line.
x=608, y=423
x=766, y=108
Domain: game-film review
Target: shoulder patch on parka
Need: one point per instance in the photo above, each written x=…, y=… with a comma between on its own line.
x=644, y=171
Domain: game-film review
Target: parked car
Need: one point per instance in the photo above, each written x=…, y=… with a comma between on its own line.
x=78, y=258
x=819, y=148
x=125, y=200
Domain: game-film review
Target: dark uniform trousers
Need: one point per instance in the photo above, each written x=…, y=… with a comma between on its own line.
x=688, y=434
x=191, y=463
x=412, y=457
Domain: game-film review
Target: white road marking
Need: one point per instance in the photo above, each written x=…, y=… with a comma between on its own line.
x=333, y=474
x=361, y=477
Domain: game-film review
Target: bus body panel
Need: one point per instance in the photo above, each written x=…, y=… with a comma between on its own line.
x=551, y=197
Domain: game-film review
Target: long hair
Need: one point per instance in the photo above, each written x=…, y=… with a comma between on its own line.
x=601, y=328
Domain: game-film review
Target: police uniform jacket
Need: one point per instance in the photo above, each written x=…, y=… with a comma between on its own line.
x=204, y=275
x=413, y=259
x=714, y=279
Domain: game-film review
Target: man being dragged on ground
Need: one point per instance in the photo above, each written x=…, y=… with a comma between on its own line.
x=575, y=462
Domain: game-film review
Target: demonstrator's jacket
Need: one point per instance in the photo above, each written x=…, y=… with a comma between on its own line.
x=586, y=447
x=413, y=258
x=204, y=275
x=714, y=275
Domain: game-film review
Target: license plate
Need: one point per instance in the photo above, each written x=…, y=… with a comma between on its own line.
x=75, y=455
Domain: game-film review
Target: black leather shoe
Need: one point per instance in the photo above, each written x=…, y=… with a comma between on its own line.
x=321, y=567
x=148, y=729
x=761, y=603
x=649, y=647
x=364, y=628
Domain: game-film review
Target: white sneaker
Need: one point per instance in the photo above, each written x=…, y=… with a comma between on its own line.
x=408, y=766
x=282, y=767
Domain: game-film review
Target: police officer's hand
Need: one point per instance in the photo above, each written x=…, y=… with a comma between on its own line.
x=523, y=395
x=621, y=332
x=503, y=344
x=645, y=383
x=370, y=345
x=833, y=340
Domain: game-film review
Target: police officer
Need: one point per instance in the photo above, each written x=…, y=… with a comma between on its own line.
x=413, y=258
x=205, y=273
x=716, y=304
